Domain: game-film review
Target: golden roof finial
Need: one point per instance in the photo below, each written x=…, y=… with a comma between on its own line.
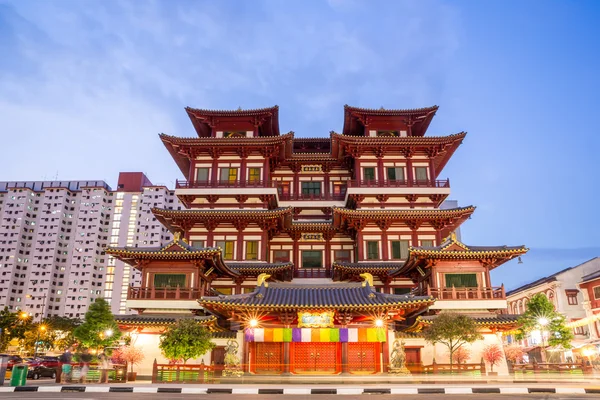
x=177, y=236
x=262, y=280
x=453, y=236
x=368, y=278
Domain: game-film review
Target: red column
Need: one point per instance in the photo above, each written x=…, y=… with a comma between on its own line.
x=359, y=243
x=326, y=190
x=240, y=244
x=243, y=172
x=264, y=244
x=409, y=172
x=357, y=169
x=267, y=171
x=438, y=236
x=385, y=349
x=295, y=255
x=384, y=245
x=192, y=175
x=214, y=173
x=415, y=238
x=432, y=171
x=296, y=186
x=380, y=175
x=328, y=255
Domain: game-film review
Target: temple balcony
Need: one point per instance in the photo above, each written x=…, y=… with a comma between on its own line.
x=191, y=193
x=466, y=298
x=387, y=186
x=163, y=298
x=225, y=184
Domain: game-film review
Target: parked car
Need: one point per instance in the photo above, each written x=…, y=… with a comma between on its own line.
x=38, y=370
x=12, y=360
x=49, y=361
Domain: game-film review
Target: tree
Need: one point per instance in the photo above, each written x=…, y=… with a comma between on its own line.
x=461, y=355
x=13, y=325
x=99, y=328
x=132, y=355
x=453, y=331
x=492, y=354
x=184, y=340
x=514, y=353
x=542, y=316
x=61, y=330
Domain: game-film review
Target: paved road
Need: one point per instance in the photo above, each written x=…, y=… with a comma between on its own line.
x=170, y=396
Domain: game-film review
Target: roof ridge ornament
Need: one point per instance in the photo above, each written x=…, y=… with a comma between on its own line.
x=368, y=279
x=262, y=280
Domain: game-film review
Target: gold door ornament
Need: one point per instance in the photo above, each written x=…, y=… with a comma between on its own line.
x=315, y=319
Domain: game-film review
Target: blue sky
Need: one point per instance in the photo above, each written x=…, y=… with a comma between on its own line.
x=85, y=86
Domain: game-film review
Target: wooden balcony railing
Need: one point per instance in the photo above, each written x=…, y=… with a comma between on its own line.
x=312, y=273
x=151, y=293
x=303, y=196
x=471, y=293
x=398, y=183
x=223, y=184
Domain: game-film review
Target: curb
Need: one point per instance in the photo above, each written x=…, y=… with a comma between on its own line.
x=301, y=391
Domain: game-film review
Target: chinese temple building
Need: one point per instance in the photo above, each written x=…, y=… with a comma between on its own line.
x=315, y=254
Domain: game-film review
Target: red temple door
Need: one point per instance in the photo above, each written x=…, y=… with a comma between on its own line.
x=218, y=359
x=413, y=359
x=316, y=358
x=363, y=358
x=267, y=358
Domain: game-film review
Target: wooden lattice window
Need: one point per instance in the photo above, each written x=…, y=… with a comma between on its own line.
x=252, y=250
x=253, y=174
x=399, y=249
x=226, y=248
x=312, y=259
x=342, y=255
x=311, y=188
x=372, y=250
x=229, y=175
x=395, y=174
x=461, y=280
x=169, y=280
x=202, y=174
x=369, y=173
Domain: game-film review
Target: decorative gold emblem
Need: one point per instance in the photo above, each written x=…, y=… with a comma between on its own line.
x=262, y=280
x=311, y=237
x=315, y=319
x=311, y=168
x=368, y=278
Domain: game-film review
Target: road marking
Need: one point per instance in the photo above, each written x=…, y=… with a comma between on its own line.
x=570, y=390
x=350, y=391
x=193, y=390
x=49, y=388
x=514, y=390
x=141, y=389
x=97, y=389
x=458, y=390
x=405, y=391
x=296, y=391
x=244, y=391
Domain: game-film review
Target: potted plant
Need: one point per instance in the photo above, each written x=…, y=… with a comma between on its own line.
x=133, y=356
x=493, y=355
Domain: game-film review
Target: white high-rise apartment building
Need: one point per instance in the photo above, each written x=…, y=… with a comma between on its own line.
x=53, y=235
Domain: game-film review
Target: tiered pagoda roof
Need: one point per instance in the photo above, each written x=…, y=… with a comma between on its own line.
x=453, y=249
x=494, y=321
x=179, y=250
x=358, y=297
x=266, y=119
x=355, y=118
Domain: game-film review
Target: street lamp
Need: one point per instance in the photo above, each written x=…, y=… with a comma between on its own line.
x=43, y=297
x=42, y=328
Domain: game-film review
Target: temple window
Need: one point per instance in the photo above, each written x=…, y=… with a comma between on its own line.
x=388, y=133
x=596, y=292
x=396, y=174
x=253, y=174
x=252, y=250
x=369, y=173
x=312, y=259
x=229, y=175
x=426, y=243
x=342, y=255
x=169, y=280
x=197, y=244
x=372, y=250
x=202, y=174
x=311, y=188
x=421, y=174
x=234, y=134
x=460, y=280
x=227, y=248
x=401, y=290
x=281, y=256
x=224, y=290
x=400, y=249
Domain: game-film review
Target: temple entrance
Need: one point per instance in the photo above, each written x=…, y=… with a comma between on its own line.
x=363, y=358
x=267, y=358
x=218, y=359
x=316, y=358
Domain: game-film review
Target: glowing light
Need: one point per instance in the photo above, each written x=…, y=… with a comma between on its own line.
x=253, y=323
x=42, y=328
x=543, y=321
x=23, y=315
x=379, y=322
x=588, y=352
x=108, y=332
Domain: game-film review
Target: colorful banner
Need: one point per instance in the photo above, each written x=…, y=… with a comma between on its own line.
x=315, y=335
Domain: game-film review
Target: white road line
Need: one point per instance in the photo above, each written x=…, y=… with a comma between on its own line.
x=350, y=391
x=97, y=389
x=49, y=388
x=193, y=390
x=562, y=390
x=513, y=390
x=142, y=389
x=296, y=391
x=458, y=390
x=405, y=391
x=244, y=391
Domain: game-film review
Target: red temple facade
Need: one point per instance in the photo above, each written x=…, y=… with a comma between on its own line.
x=315, y=254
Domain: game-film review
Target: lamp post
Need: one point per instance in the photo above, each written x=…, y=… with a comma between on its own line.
x=42, y=328
x=43, y=297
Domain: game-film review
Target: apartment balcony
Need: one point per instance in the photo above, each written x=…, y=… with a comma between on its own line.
x=467, y=298
x=163, y=298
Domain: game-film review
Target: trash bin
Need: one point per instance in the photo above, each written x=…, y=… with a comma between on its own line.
x=19, y=375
